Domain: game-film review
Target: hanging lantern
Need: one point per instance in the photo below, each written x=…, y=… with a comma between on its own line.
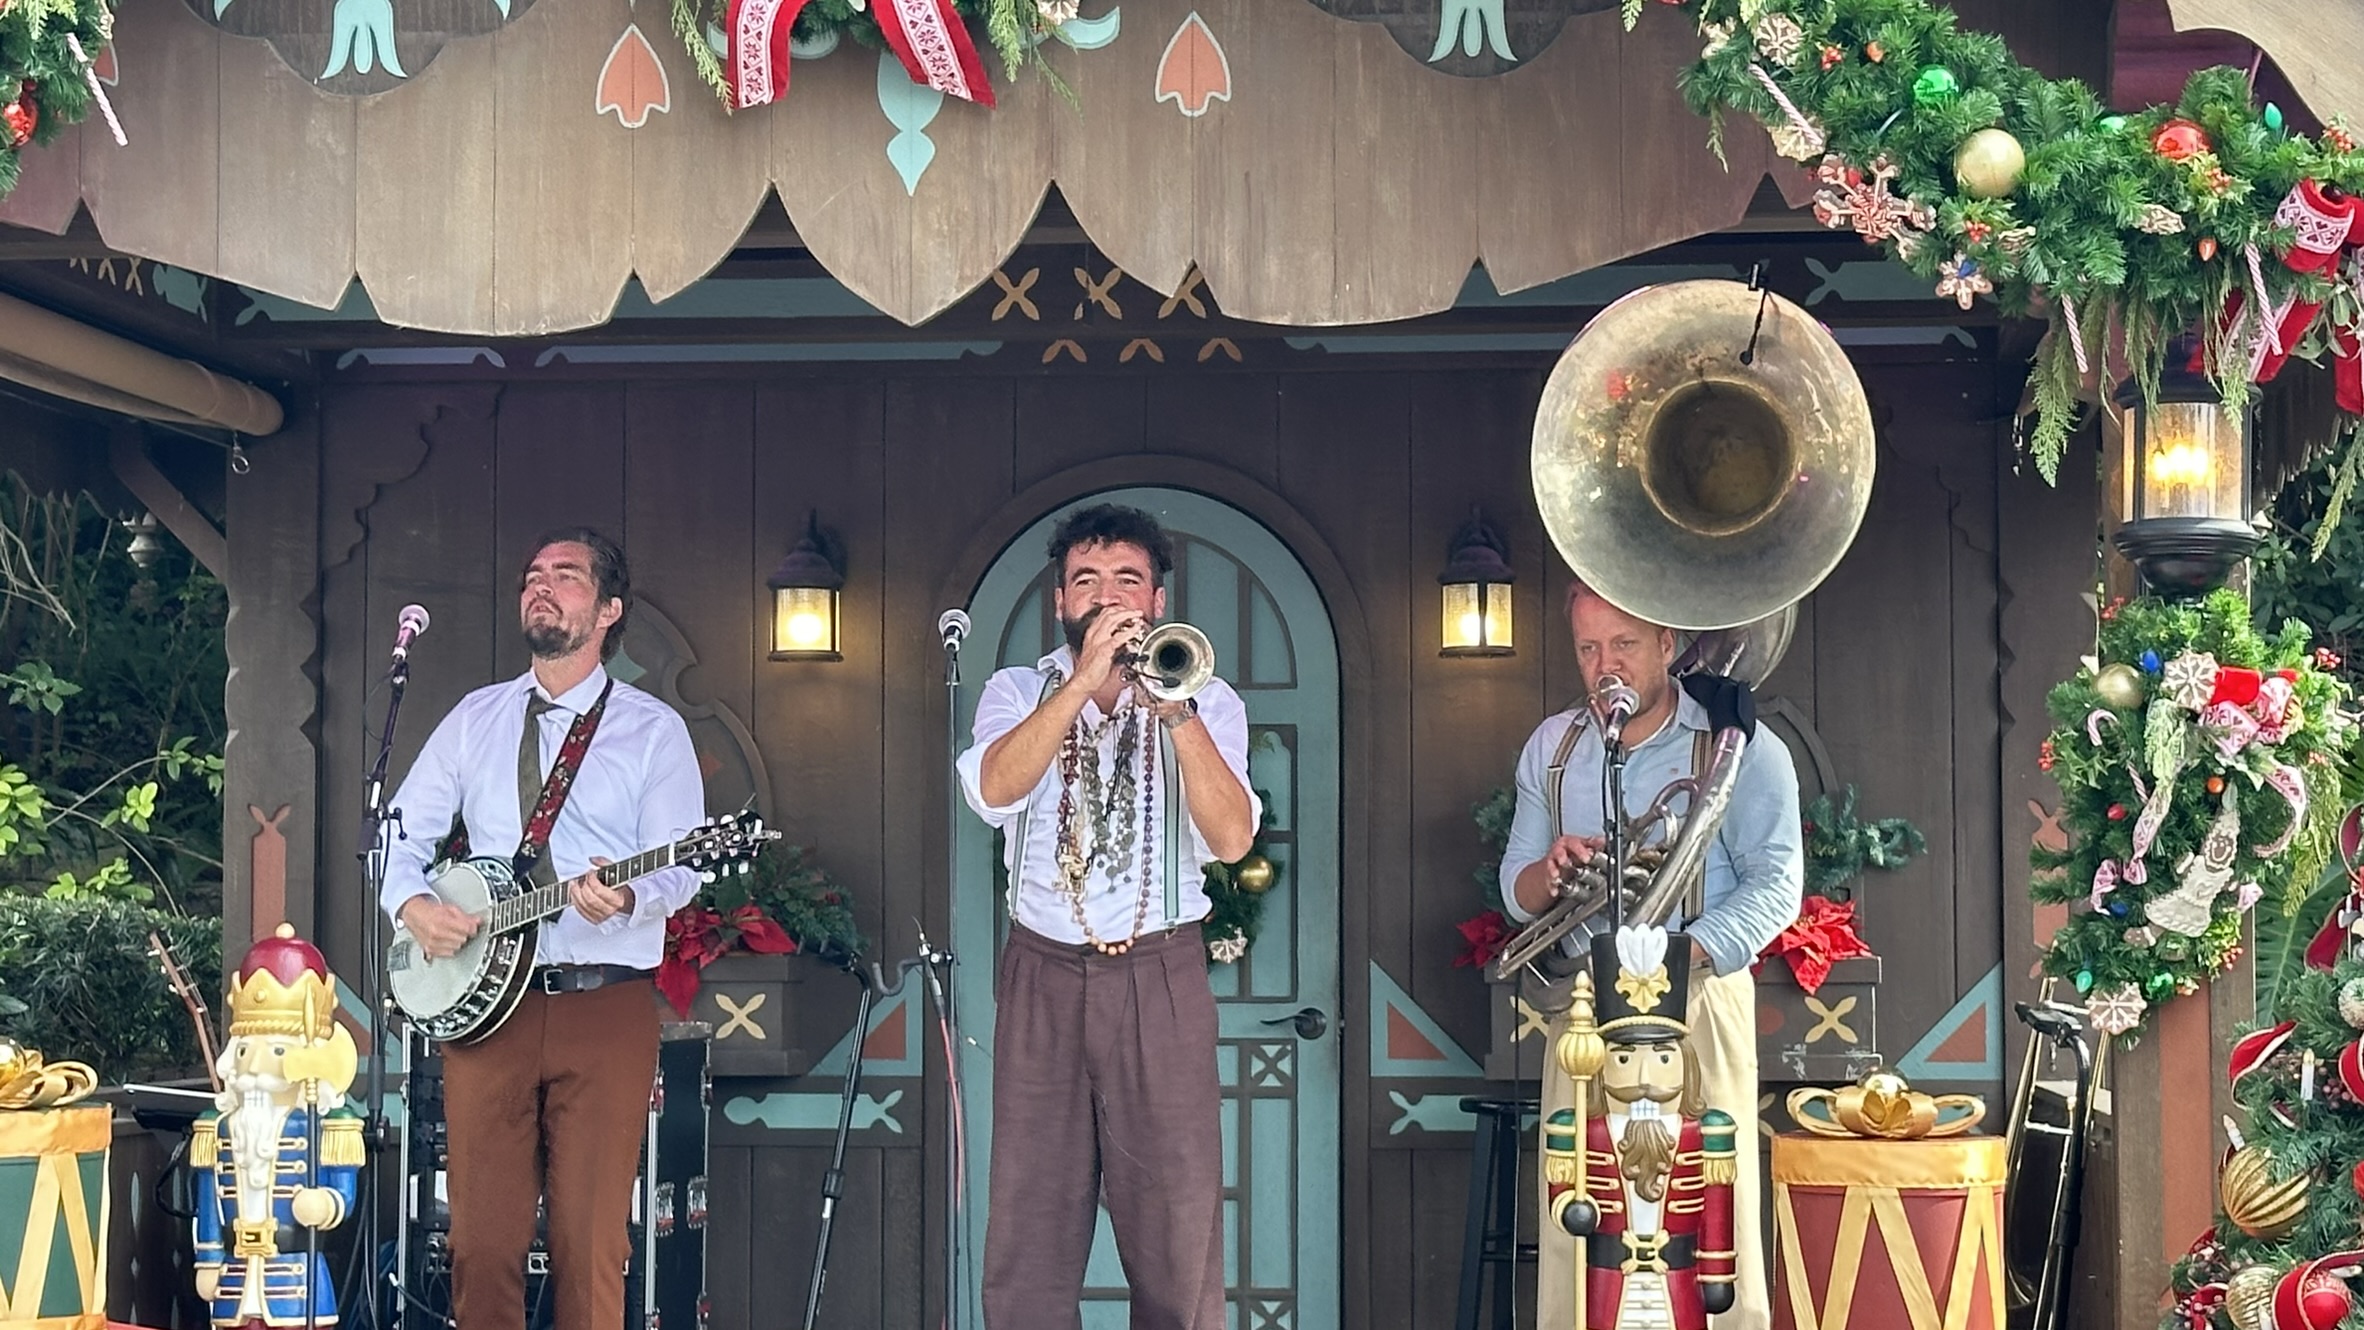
x=1477, y=581
x=2186, y=481
x=805, y=590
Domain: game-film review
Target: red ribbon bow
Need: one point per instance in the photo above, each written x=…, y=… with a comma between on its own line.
x=1823, y=935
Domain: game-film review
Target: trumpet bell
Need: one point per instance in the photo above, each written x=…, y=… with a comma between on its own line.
x=1687, y=485
x=1173, y=663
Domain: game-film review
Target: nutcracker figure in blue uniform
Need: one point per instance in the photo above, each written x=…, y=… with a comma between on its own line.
x=280, y=1155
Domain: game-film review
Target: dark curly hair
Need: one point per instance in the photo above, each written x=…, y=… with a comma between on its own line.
x=1109, y=523
x=608, y=569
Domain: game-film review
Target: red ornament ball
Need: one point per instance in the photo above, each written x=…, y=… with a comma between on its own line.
x=2178, y=140
x=1874, y=52
x=2323, y=1301
x=2206, y=248
x=19, y=118
x=2216, y=784
x=2357, y=1179
x=1832, y=55
x=2117, y=812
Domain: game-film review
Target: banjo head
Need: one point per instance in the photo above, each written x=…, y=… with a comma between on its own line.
x=448, y=998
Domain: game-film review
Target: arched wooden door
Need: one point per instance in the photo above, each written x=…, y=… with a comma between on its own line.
x=1273, y=641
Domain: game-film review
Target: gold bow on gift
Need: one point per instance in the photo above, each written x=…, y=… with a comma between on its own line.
x=1882, y=1105
x=27, y=1082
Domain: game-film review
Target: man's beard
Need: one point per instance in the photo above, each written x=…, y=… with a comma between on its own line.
x=551, y=640
x=1075, y=628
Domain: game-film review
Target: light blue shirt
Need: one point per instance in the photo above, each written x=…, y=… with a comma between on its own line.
x=1756, y=868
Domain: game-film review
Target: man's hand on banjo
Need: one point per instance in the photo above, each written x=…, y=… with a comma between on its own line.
x=440, y=928
x=594, y=899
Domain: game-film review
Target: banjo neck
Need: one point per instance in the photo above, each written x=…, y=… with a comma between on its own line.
x=532, y=907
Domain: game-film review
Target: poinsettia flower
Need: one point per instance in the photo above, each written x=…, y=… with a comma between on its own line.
x=1485, y=936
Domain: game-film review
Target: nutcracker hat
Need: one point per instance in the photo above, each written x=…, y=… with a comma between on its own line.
x=283, y=987
x=1642, y=985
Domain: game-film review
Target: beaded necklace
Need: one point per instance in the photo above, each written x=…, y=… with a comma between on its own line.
x=1101, y=819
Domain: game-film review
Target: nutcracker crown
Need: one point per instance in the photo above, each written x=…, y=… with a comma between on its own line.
x=283, y=987
x=1642, y=985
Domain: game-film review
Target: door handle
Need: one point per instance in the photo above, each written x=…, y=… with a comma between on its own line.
x=1308, y=1022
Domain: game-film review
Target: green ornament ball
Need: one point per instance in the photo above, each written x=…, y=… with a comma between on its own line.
x=2273, y=117
x=2159, y=987
x=1935, y=86
x=1988, y=163
x=2121, y=686
x=2084, y=981
x=2111, y=124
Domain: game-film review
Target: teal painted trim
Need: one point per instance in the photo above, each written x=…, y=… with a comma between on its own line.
x=1430, y=1113
x=1091, y=34
x=840, y=351
x=354, y=307
x=1479, y=25
x=1347, y=346
x=748, y=298
x=812, y=1112
x=1455, y=1064
x=1986, y=995
x=1902, y=336
x=909, y=107
x=421, y=355
x=1597, y=286
x=1871, y=279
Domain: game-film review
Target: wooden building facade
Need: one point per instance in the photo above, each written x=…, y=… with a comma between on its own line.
x=493, y=303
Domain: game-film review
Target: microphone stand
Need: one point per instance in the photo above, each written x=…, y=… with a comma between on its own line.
x=954, y=625
x=1613, y=753
x=379, y=825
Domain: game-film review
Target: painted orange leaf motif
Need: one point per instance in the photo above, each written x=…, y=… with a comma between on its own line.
x=632, y=84
x=1194, y=73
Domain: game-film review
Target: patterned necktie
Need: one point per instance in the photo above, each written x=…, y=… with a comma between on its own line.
x=529, y=777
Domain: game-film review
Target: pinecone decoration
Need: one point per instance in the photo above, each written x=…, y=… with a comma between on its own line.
x=2351, y=1003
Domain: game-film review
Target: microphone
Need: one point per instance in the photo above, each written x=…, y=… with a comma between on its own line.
x=952, y=626
x=408, y=626
x=1617, y=703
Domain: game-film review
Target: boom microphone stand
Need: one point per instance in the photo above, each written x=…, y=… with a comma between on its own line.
x=379, y=826
x=873, y=984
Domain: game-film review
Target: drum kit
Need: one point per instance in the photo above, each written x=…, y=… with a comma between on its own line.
x=1703, y=457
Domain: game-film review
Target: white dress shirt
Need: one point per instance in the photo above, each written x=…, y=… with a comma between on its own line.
x=1112, y=890
x=639, y=788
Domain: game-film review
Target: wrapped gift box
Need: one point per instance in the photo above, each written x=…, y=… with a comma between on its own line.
x=1888, y=1233
x=53, y=1217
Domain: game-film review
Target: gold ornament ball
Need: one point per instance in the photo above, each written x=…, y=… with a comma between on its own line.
x=1988, y=163
x=2120, y=686
x=2249, y=1297
x=1254, y=875
x=2254, y=1202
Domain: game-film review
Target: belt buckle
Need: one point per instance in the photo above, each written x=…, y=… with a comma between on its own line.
x=254, y=1238
x=1646, y=1253
x=548, y=980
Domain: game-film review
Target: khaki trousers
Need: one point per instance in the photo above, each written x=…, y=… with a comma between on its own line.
x=1723, y=1020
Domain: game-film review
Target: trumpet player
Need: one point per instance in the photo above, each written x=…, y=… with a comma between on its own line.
x=1752, y=880
x=1112, y=801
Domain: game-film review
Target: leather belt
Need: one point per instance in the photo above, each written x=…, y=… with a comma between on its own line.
x=556, y=979
x=1611, y=1251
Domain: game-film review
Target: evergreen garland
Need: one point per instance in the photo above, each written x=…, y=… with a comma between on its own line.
x=2122, y=736
x=2101, y=225
x=1840, y=846
x=2313, y=1130
x=39, y=71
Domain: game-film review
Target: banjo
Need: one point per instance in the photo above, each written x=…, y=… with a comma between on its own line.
x=466, y=996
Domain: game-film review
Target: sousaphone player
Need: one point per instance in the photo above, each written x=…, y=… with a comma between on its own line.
x=1702, y=459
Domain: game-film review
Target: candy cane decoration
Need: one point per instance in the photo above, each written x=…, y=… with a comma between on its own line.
x=2068, y=307
x=1797, y=118
x=2266, y=331
x=98, y=91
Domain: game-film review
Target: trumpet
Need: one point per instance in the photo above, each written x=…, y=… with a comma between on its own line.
x=1170, y=662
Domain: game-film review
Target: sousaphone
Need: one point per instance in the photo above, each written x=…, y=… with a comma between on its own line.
x=1702, y=459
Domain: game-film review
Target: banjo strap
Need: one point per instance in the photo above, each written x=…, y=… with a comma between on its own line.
x=544, y=813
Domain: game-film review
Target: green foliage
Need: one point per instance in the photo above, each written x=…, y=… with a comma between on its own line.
x=110, y=766
x=35, y=57
x=796, y=892
x=1841, y=845
x=1493, y=815
x=2311, y=565
x=2106, y=756
x=2083, y=231
x=91, y=990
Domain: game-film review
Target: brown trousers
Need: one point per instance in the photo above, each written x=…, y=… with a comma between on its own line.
x=554, y=1104
x=1104, y=1085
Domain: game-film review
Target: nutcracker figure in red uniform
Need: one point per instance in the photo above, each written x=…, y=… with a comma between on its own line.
x=1649, y=1193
